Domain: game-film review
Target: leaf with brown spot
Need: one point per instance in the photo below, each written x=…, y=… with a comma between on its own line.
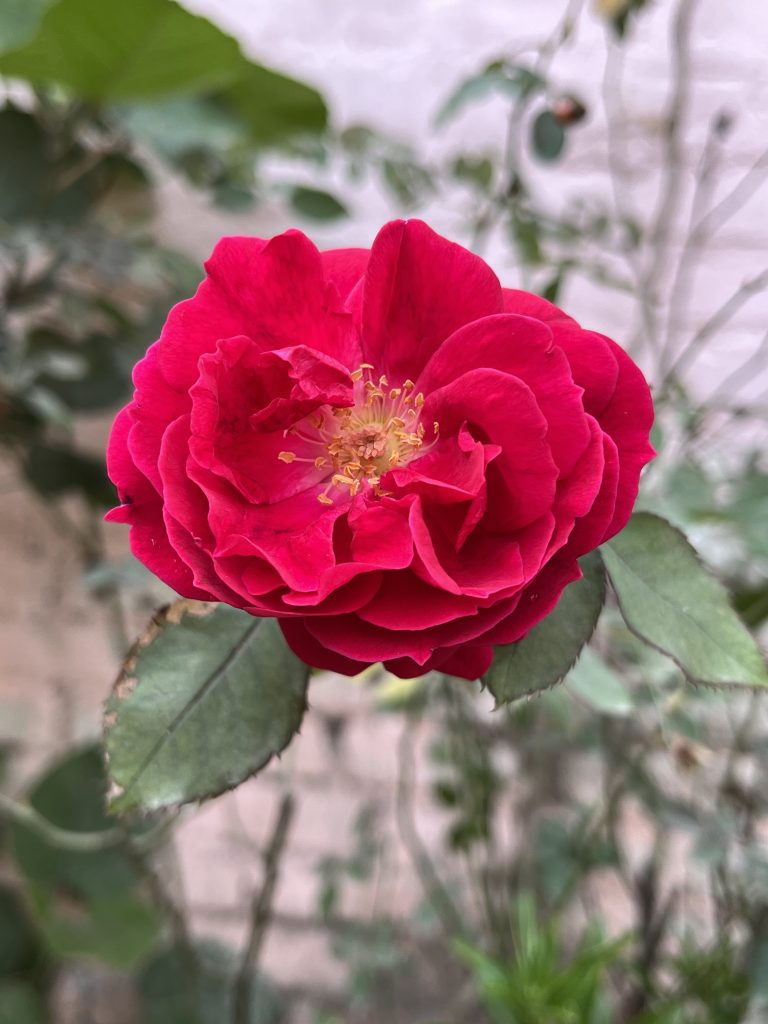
x=206, y=697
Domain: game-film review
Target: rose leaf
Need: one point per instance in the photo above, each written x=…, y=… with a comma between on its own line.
x=670, y=601
x=545, y=655
x=207, y=696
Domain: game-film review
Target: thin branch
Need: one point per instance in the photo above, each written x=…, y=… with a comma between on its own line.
x=433, y=887
x=673, y=167
x=61, y=838
x=730, y=204
x=673, y=162
x=717, y=321
x=261, y=912
x=682, y=281
x=743, y=373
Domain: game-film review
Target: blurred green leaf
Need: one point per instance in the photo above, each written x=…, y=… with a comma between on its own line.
x=19, y=20
x=18, y=941
x=23, y=165
x=597, y=684
x=547, y=136
x=85, y=903
x=126, y=49
x=54, y=469
x=273, y=107
x=476, y=171
x=117, y=929
x=407, y=180
x=206, y=699
x=544, y=656
x=72, y=795
x=20, y=1004
x=168, y=997
x=100, y=376
x=316, y=204
x=748, y=510
x=133, y=50
x=500, y=76
x=669, y=600
x=542, y=983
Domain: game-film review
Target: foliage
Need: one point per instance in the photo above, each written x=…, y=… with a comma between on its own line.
x=634, y=792
x=177, y=736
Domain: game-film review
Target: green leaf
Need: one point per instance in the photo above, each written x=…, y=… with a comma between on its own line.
x=206, y=698
x=544, y=656
x=592, y=680
x=18, y=942
x=20, y=1004
x=84, y=903
x=272, y=106
x=135, y=50
x=672, y=603
x=315, y=204
x=118, y=930
x=125, y=49
x=23, y=163
x=513, y=80
x=19, y=20
x=168, y=998
x=547, y=136
x=56, y=469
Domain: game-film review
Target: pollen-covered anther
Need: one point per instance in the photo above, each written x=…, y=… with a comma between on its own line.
x=361, y=443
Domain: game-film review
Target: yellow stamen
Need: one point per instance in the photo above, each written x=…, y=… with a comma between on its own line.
x=287, y=456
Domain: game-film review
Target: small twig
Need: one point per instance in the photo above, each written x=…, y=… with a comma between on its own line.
x=261, y=912
x=683, y=278
x=430, y=880
x=61, y=838
x=674, y=151
x=717, y=321
x=673, y=164
x=732, y=383
x=730, y=204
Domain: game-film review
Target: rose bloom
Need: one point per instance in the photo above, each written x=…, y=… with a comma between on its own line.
x=398, y=458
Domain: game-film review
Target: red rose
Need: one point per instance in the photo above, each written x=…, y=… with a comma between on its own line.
x=386, y=450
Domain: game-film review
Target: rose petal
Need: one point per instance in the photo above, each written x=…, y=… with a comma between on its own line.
x=418, y=289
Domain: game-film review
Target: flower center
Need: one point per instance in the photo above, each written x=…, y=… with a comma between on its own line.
x=360, y=444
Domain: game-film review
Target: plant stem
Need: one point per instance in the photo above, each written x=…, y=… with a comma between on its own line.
x=261, y=912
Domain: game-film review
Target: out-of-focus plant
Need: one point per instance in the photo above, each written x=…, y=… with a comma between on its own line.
x=97, y=99
x=635, y=798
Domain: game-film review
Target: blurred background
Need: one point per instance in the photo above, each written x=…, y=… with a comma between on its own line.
x=595, y=855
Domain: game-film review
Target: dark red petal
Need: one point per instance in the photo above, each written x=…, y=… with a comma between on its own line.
x=344, y=268
x=523, y=347
x=527, y=304
x=468, y=662
x=142, y=508
x=522, y=478
x=242, y=402
x=589, y=532
x=465, y=662
x=577, y=494
x=418, y=289
x=306, y=647
x=628, y=419
x=272, y=291
x=404, y=602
